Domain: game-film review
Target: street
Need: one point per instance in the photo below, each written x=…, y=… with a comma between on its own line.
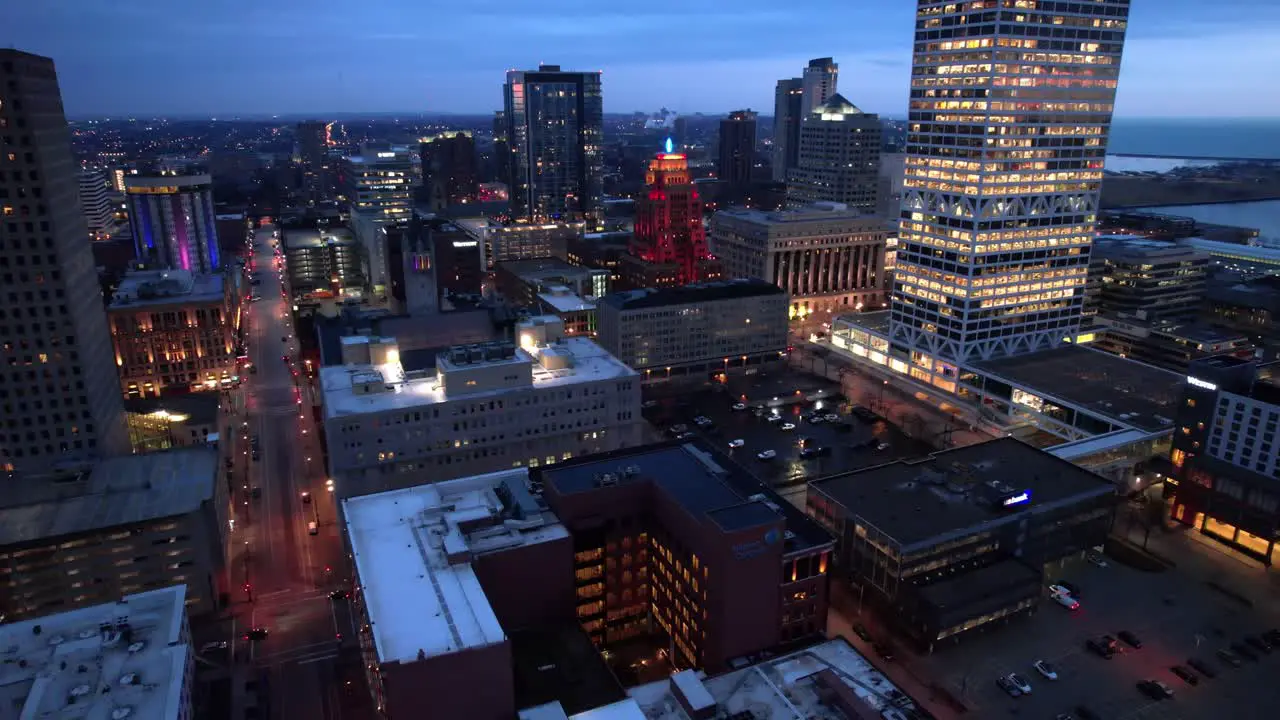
x=282, y=574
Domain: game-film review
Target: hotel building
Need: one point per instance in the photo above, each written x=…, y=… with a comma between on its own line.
x=174, y=331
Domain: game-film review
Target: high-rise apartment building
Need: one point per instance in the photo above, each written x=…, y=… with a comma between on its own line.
x=312, y=139
x=173, y=221
x=788, y=108
x=819, y=83
x=669, y=219
x=838, y=158
x=449, y=168
x=737, y=148
x=554, y=130
x=794, y=98
x=1007, y=131
x=59, y=398
x=96, y=201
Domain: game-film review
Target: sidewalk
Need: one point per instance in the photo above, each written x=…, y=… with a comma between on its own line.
x=1204, y=559
x=903, y=670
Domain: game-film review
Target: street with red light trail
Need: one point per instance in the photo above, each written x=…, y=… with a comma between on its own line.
x=288, y=571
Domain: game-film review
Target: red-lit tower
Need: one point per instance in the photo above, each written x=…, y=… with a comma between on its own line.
x=669, y=218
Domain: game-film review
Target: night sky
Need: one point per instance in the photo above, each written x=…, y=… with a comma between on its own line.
x=1214, y=58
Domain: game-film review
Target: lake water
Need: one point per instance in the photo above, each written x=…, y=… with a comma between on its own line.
x=1264, y=215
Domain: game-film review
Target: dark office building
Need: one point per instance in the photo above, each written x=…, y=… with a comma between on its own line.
x=62, y=405
x=555, y=132
x=1147, y=279
x=958, y=540
x=676, y=540
x=449, y=169
x=312, y=138
x=1225, y=459
x=737, y=149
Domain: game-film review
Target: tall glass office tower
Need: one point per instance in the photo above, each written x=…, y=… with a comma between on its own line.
x=555, y=122
x=1010, y=109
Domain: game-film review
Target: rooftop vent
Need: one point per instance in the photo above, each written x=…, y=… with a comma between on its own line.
x=137, y=647
x=121, y=713
x=606, y=480
x=128, y=679
x=80, y=690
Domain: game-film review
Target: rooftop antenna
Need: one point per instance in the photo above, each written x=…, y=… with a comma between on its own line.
x=670, y=146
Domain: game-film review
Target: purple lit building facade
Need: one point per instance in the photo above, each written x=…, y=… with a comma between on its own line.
x=173, y=221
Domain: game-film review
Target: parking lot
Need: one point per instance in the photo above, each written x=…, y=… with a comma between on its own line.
x=850, y=443
x=1173, y=616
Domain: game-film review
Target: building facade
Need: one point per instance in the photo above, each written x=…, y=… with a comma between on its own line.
x=323, y=263
x=312, y=138
x=669, y=227
x=788, y=109
x=826, y=257
x=1146, y=279
x=696, y=332
x=110, y=532
x=737, y=159
x=485, y=408
x=449, y=173
x=173, y=221
x=507, y=242
x=1225, y=455
x=838, y=159
x=1003, y=171
x=60, y=397
x=554, y=133
x=818, y=82
x=677, y=541
x=95, y=198
x=378, y=183
x=173, y=421
x=958, y=541
x=174, y=332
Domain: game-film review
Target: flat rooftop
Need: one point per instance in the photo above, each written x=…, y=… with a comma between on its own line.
x=126, y=659
x=735, y=289
x=299, y=239
x=821, y=212
x=698, y=478
x=876, y=323
x=118, y=491
x=951, y=491
x=1125, y=391
x=828, y=680
x=589, y=363
x=141, y=288
x=566, y=301
x=412, y=556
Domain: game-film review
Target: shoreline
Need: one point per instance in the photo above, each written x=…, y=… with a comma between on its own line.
x=1196, y=157
x=1192, y=203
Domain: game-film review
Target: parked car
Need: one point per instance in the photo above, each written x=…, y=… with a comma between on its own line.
x=1203, y=667
x=1100, y=648
x=1155, y=689
x=882, y=446
x=1067, y=602
x=737, y=443
x=1020, y=683
x=1228, y=657
x=1129, y=638
x=774, y=419
x=1059, y=590
x=738, y=407
x=1006, y=685
x=788, y=426
x=766, y=455
x=831, y=417
x=1186, y=675
x=1047, y=670
x=817, y=419
x=649, y=404
x=1072, y=589
x=1244, y=651
x=1096, y=558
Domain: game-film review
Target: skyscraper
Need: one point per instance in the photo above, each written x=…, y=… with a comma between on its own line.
x=1008, y=122
x=819, y=83
x=61, y=401
x=501, y=149
x=554, y=127
x=669, y=218
x=312, y=138
x=173, y=221
x=448, y=168
x=788, y=104
x=839, y=158
x=793, y=99
x=737, y=148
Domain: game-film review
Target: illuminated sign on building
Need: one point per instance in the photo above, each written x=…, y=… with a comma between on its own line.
x=465, y=243
x=1202, y=384
x=1019, y=499
x=386, y=154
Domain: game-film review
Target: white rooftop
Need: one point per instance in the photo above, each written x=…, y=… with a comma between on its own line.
x=565, y=301
x=786, y=688
x=589, y=363
x=119, y=661
x=413, y=560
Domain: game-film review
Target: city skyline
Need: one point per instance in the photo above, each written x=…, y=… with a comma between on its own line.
x=268, y=61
